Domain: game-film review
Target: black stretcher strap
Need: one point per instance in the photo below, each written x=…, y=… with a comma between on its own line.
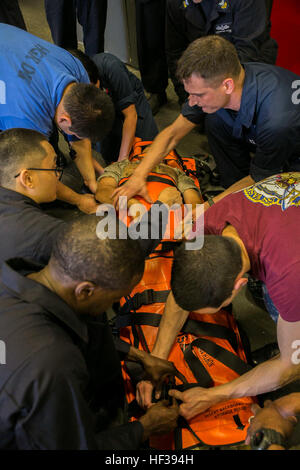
x=217, y=352
x=190, y=327
x=147, y=297
x=199, y=328
x=199, y=371
x=155, y=179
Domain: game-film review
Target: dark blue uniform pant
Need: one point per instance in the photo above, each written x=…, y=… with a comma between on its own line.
x=232, y=156
x=150, y=30
x=91, y=14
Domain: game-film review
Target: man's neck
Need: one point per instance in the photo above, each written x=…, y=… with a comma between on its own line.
x=236, y=96
x=45, y=278
x=231, y=232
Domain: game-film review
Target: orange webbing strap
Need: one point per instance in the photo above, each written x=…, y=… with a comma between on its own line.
x=208, y=352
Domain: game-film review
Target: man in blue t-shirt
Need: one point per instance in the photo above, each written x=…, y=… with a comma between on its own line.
x=252, y=117
x=43, y=86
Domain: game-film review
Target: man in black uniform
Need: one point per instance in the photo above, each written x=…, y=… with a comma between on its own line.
x=251, y=108
x=62, y=380
x=133, y=115
x=243, y=22
x=91, y=14
x=150, y=31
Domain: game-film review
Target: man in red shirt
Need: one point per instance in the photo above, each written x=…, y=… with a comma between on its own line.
x=256, y=230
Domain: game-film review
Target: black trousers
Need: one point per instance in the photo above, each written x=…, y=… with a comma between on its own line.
x=91, y=14
x=232, y=156
x=10, y=13
x=150, y=30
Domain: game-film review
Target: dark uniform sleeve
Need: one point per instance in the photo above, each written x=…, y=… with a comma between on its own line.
x=52, y=409
x=115, y=76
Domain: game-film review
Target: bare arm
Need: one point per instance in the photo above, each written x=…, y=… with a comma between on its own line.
x=268, y=376
x=238, y=186
x=161, y=146
x=85, y=202
x=84, y=162
x=171, y=323
x=128, y=131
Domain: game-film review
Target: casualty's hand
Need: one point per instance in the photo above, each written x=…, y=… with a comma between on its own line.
x=170, y=196
x=194, y=401
x=87, y=203
x=161, y=418
x=270, y=418
x=135, y=186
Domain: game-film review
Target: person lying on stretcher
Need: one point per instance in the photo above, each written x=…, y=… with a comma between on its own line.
x=162, y=175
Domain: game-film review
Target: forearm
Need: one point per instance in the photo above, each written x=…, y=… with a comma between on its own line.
x=266, y=377
x=66, y=194
x=171, y=323
x=84, y=161
x=239, y=185
x=128, y=134
x=136, y=355
x=161, y=146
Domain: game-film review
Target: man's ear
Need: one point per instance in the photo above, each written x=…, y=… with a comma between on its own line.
x=84, y=290
x=228, y=84
x=64, y=120
x=26, y=180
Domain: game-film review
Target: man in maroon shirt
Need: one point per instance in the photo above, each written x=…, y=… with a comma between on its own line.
x=256, y=230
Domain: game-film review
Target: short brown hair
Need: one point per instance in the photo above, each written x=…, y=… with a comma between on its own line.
x=213, y=58
x=91, y=111
x=205, y=278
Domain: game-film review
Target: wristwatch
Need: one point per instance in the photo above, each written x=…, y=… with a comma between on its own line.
x=263, y=438
x=210, y=200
